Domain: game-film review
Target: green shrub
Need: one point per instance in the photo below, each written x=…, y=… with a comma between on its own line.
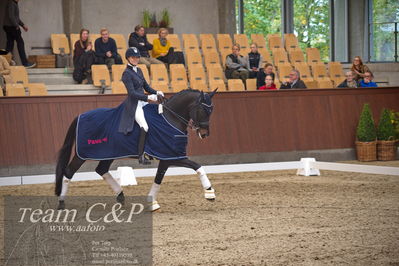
x=366, y=129
x=395, y=121
x=385, y=129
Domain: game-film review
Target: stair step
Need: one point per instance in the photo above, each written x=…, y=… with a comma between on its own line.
x=51, y=76
x=35, y=71
x=66, y=89
x=53, y=79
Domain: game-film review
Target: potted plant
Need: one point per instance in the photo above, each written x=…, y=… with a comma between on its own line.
x=146, y=19
x=395, y=122
x=386, y=139
x=366, y=144
x=165, y=19
x=154, y=23
x=149, y=21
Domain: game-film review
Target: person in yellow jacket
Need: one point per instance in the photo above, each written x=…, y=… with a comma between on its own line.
x=162, y=49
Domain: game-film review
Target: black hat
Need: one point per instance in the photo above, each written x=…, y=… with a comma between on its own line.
x=132, y=51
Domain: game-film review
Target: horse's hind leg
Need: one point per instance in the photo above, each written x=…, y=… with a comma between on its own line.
x=70, y=170
x=102, y=169
x=152, y=195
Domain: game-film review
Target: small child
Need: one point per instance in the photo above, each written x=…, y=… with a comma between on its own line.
x=269, y=83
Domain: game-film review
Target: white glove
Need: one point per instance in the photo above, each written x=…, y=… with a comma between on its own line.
x=152, y=97
x=160, y=93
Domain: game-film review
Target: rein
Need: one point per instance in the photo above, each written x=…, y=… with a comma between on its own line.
x=191, y=123
x=185, y=121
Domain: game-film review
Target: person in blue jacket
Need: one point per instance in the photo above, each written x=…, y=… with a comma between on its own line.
x=136, y=84
x=367, y=80
x=106, y=50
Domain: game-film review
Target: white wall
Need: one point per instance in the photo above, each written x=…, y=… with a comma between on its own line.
x=43, y=17
x=188, y=16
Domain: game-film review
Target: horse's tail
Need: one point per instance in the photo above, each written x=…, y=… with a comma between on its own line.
x=64, y=155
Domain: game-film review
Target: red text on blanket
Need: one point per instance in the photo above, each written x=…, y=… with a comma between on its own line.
x=97, y=141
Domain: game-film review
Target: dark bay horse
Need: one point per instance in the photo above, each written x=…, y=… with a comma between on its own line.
x=188, y=108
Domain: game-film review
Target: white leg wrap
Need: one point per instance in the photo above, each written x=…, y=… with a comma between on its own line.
x=64, y=191
x=112, y=182
x=209, y=193
x=152, y=195
x=204, y=178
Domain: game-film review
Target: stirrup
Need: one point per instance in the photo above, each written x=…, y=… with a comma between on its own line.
x=209, y=194
x=153, y=206
x=143, y=160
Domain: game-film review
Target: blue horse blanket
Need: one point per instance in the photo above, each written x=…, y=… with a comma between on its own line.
x=97, y=136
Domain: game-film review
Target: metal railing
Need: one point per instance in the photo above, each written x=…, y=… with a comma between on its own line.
x=383, y=42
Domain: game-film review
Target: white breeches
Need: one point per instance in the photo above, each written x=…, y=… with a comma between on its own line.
x=139, y=117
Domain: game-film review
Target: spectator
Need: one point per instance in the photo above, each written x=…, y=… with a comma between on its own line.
x=254, y=61
x=236, y=65
x=106, y=50
x=350, y=81
x=5, y=70
x=368, y=80
x=162, y=49
x=260, y=78
x=294, y=81
x=11, y=26
x=359, y=68
x=83, y=58
x=138, y=39
x=269, y=83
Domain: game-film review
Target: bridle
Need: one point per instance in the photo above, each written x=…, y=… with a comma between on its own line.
x=208, y=110
x=194, y=125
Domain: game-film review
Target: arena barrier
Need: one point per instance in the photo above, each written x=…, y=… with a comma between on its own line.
x=305, y=167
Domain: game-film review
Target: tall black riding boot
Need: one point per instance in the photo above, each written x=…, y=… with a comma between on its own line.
x=142, y=159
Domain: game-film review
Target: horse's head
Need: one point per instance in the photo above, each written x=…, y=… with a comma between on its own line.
x=200, y=114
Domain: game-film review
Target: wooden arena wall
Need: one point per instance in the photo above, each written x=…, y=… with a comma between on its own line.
x=33, y=128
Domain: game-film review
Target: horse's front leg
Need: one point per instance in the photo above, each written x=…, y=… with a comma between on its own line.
x=152, y=195
x=209, y=192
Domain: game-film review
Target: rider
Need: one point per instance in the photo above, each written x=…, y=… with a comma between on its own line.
x=135, y=84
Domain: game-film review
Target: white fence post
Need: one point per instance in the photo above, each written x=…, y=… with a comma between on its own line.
x=126, y=176
x=306, y=169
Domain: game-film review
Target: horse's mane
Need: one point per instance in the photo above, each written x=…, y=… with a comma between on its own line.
x=180, y=93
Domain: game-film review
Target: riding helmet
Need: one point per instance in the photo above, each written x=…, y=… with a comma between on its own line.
x=132, y=51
